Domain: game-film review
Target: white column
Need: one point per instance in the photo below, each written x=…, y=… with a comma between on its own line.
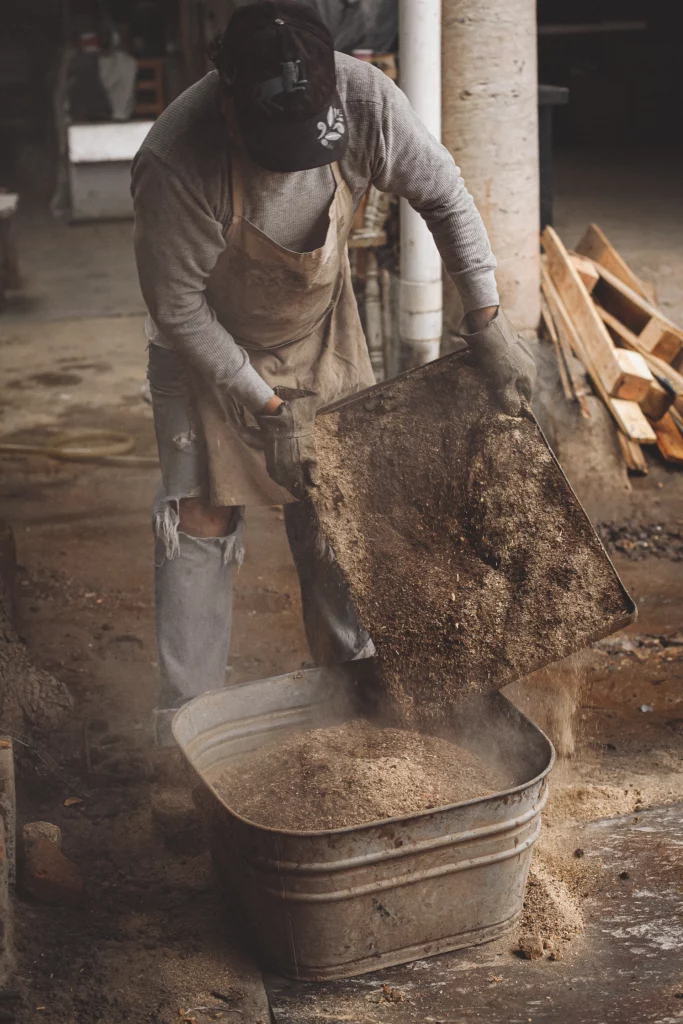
x=421, y=299
x=490, y=125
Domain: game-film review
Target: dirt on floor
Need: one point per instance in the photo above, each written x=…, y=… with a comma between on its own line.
x=153, y=942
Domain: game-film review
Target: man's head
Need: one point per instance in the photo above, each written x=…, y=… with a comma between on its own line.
x=276, y=59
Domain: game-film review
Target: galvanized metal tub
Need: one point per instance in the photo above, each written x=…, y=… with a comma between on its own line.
x=343, y=902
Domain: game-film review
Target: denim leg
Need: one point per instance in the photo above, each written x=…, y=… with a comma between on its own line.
x=193, y=610
x=333, y=629
x=192, y=575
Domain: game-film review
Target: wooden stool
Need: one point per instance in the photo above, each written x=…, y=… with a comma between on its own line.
x=149, y=88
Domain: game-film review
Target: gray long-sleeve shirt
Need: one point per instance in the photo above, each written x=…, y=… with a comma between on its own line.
x=181, y=194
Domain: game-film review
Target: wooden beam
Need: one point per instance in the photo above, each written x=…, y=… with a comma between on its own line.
x=657, y=401
x=637, y=375
x=661, y=370
x=669, y=439
x=633, y=454
x=655, y=332
x=595, y=245
x=576, y=380
x=630, y=418
x=594, y=337
x=585, y=268
x=552, y=335
x=627, y=415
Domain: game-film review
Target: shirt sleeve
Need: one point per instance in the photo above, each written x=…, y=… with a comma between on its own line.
x=177, y=243
x=409, y=162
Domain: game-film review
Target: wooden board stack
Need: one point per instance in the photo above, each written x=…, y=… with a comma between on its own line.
x=595, y=308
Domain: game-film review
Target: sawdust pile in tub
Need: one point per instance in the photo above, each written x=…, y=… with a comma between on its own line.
x=468, y=556
x=353, y=773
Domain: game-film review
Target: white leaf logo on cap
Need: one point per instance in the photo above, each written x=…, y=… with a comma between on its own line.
x=334, y=129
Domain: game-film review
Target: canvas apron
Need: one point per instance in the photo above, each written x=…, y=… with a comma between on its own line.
x=296, y=315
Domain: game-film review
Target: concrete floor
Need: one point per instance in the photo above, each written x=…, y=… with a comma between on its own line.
x=153, y=939
x=627, y=968
x=637, y=200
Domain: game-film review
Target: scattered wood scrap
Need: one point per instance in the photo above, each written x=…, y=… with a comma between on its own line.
x=585, y=268
x=549, y=326
x=597, y=308
x=669, y=439
x=656, y=333
x=632, y=453
x=595, y=246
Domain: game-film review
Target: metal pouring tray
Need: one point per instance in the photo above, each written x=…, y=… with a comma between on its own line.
x=338, y=903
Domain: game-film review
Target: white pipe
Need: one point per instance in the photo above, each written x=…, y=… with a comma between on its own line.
x=421, y=296
x=373, y=315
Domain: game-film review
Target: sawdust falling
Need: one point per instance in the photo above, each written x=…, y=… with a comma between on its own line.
x=551, y=698
x=465, y=550
x=352, y=774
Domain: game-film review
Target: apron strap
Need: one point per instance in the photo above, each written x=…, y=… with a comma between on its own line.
x=336, y=171
x=236, y=186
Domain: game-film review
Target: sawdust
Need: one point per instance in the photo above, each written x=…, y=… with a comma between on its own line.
x=551, y=698
x=469, y=558
x=551, y=915
x=586, y=802
x=351, y=774
x=561, y=879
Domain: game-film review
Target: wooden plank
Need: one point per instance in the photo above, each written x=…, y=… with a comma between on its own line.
x=669, y=439
x=637, y=376
x=630, y=418
x=595, y=245
x=633, y=454
x=663, y=371
x=661, y=340
x=656, y=333
x=576, y=379
x=650, y=290
x=552, y=335
x=586, y=270
x=595, y=338
x=627, y=415
x=657, y=401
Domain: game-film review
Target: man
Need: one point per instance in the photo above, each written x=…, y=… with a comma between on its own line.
x=244, y=194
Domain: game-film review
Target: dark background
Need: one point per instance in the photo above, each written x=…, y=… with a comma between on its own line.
x=626, y=87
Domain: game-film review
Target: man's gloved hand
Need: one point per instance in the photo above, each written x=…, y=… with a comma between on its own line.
x=506, y=359
x=289, y=441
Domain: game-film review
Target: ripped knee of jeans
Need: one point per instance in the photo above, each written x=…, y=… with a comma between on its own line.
x=167, y=526
x=185, y=440
x=166, y=519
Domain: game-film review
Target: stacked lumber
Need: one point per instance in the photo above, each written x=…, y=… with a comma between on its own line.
x=596, y=309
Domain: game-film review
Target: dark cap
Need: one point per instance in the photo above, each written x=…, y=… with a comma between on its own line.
x=277, y=59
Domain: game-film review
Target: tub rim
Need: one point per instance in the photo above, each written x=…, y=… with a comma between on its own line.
x=382, y=822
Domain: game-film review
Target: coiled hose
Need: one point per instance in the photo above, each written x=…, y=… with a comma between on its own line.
x=103, y=447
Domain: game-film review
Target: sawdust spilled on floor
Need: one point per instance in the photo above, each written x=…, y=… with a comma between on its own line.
x=551, y=916
x=352, y=774
x=588, y=802
x=561, y=879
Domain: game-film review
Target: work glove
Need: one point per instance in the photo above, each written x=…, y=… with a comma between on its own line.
x=289, y=441
x=506, y=359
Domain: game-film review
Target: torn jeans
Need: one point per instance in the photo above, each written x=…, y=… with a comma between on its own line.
x=193, y=576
